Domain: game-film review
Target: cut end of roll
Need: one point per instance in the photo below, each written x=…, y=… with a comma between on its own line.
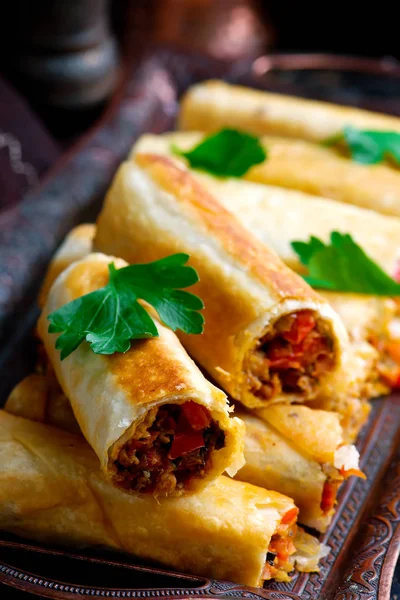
x=345, y=464
x=172, y=447
x=281, y=548
x=292, y=548
x=290, y=358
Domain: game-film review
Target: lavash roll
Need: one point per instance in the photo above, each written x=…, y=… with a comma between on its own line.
x=52, y=490
x=153, y=209
x=210, y=105
x=124, y=403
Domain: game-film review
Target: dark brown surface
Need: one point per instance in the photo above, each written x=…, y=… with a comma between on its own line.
x=364, y=537
x=333, y=27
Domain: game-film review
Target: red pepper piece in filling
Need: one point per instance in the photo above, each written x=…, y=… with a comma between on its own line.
x=197, y=416
x=282, y=357
x=299, y=343
x=329, y=495
x=285, y=363
x=283, y=547
x=184, y=443
x=301, y=327
x=290, y=516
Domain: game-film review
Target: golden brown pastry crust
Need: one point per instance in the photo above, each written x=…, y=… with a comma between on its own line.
x=210, y=105
x=294, y=449
x=282, y=452
x=278, y=216
x=274, y=461
x=77, y=244
x=317, y=433
x=52, y=490
x=301, y=165
x=154, y=209
x=218, y=222
x=295, y=210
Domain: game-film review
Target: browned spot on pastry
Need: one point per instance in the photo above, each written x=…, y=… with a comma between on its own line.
x=86, y=277
x=148, y=370
x=264, y=264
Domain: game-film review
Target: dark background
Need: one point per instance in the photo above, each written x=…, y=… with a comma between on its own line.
x=33, y=33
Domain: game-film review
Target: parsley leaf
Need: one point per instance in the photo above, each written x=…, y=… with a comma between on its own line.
x=369, y=147
x=344, y=267
x=305, y=250
x=228, y=153
x=109, y=318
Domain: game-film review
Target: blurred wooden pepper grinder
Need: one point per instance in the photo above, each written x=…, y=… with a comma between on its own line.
x=61, y=53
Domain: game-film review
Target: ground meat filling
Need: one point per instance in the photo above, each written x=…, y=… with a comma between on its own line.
x=175, y=448
x=291, y=357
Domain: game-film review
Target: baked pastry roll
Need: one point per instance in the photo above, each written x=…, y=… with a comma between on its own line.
x=294, y=215
x=76, y=245
x=52, y=490
x=300, y=452
x=39, y=397
x=366, y=317
x=156, y=424
x=268, y=336
x=210, y=105
x=295, y=450
x=298, y=164
x=313, y=169
x=277, y=217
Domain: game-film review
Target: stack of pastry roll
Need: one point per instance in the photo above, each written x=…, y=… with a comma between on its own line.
x=227, y=529
x=293, y=131
x=298, y=163
x=130, y=405
x=277, y=217
x=51, y=489
x=300, y=366
x=256, y=309
x=293, y=449
x=254, y=304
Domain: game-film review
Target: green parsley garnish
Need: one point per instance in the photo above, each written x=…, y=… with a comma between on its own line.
x=109, y=318
x=228, y=153
x=343, y=266
x=369, y=147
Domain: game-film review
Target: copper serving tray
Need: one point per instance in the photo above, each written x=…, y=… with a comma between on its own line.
x=365, y=534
